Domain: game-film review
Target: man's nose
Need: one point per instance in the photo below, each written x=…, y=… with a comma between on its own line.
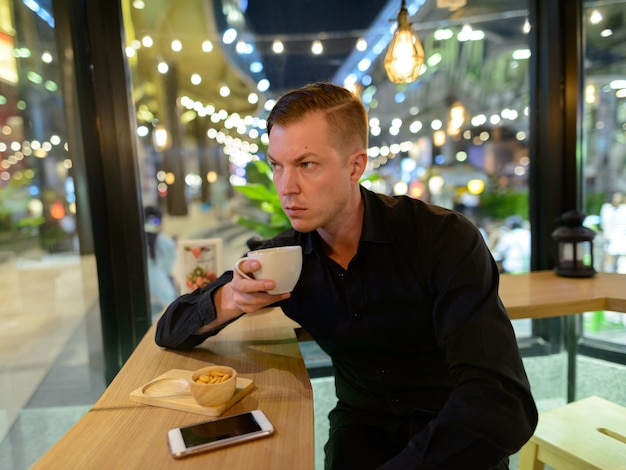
x=288, y=182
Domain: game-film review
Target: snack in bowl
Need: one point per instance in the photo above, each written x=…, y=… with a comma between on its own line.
x=213, y=385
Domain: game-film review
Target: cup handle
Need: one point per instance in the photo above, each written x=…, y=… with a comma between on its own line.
x=239, y=271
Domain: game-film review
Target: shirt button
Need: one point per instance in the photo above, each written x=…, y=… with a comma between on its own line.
x=395, y=401
x=341, y=275
x=384, y=371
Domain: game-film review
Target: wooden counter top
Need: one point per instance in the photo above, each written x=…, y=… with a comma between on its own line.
x=119, y=433
x=543, y=294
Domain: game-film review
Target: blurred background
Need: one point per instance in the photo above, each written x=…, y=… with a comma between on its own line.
x=518, y=115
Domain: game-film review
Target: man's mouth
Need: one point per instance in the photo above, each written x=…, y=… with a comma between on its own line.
x=294, y=210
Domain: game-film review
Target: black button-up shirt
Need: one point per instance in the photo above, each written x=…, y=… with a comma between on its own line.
x=414, y=327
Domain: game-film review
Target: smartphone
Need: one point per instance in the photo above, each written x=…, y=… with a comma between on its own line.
x=221, y=432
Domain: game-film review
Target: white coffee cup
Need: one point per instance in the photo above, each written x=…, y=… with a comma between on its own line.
x=281, y=264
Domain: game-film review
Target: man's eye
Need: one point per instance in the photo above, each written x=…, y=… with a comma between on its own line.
x=272, y=164
x=307, y=164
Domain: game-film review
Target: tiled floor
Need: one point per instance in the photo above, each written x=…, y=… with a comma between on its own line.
x=46, y=387
x=44, y=300
x=71, y=386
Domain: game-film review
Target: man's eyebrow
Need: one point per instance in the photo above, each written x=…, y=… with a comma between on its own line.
x=298, y=159
x=305, y=156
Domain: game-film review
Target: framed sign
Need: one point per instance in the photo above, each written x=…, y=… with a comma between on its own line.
x=200, y=262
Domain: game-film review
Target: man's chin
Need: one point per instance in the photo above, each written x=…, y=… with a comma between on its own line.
x=302, y=226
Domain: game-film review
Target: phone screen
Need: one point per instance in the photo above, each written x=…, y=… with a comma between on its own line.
x=220, y=429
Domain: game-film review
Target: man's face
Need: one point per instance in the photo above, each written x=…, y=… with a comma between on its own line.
x=314, y=180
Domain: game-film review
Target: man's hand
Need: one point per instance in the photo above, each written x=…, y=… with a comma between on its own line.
x=242, y=295
x=248, y=295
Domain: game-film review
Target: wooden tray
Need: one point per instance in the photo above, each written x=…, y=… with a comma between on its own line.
x=171, y=390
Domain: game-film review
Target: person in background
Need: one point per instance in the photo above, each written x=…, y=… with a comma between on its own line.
x=403, y=296
x=161, y=259
x=613, y=220
x=513, y=247
x=219, y=197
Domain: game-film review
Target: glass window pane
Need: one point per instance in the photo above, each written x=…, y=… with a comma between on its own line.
x=604, y=138
x=49, y=289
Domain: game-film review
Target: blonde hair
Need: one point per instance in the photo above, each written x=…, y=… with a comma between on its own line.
x=344, y=112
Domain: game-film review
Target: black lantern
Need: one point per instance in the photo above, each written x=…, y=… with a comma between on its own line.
x=575, y=245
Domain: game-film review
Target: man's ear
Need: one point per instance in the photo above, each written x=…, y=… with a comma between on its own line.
x=358, y=162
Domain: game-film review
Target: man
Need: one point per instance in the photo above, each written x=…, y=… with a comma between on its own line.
x=401, y=294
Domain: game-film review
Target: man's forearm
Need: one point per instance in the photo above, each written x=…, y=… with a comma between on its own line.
x=180, y=324
x=224, y=310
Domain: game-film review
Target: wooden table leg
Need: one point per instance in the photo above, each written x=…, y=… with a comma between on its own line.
x=528, y=457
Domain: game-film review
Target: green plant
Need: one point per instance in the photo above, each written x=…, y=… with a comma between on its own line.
x=501, y=204
x=261, y=192
x=594, y=201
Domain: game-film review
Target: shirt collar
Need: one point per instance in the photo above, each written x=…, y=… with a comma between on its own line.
x=374, y=227
x=373, y=230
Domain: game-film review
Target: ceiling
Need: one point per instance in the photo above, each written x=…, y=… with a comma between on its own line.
x=481, y=73
x=339, y=24
x=259, y=22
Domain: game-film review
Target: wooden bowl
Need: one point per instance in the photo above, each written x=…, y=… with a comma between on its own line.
x=213, y=385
